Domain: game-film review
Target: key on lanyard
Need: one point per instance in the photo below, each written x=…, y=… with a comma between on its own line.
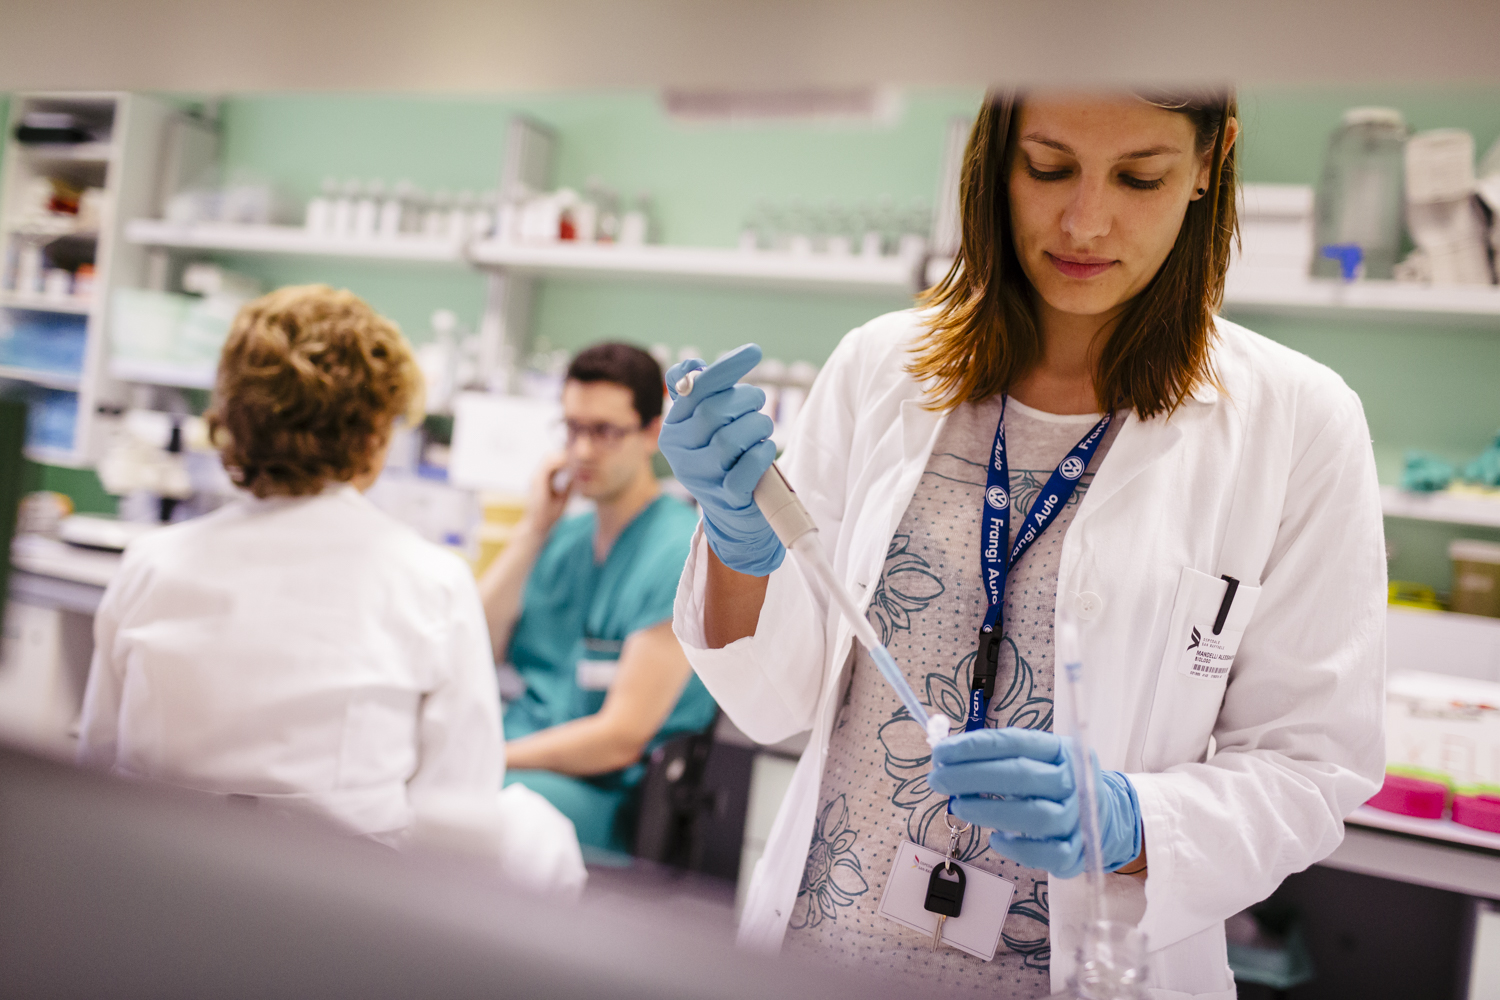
x=945, y=887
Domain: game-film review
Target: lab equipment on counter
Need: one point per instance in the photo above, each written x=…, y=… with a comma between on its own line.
x=1412, y=795
x=1360, y=193
x=1478, y=808
x=877, y=228
x=1443, y=213
x=1443, y=728
x=1276, y=229
x=174, y=339
x=1476, y=577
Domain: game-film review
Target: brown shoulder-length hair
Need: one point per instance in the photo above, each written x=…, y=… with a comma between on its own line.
x=982, y=330
x=310, y=381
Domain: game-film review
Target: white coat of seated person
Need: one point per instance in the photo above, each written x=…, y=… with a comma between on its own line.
x=301, y=648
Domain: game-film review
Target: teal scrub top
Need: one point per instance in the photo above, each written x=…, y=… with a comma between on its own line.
x=576, y=609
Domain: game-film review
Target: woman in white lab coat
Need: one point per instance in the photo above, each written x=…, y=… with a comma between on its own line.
x=298, y=646
x=1216, y=536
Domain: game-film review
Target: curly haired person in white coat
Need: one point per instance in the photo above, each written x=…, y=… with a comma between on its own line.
x=299, y=647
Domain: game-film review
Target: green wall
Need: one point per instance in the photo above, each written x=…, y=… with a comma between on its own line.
x=1426, y=385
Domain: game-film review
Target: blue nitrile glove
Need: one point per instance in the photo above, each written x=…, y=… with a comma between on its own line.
x=716, y=441
x=1036, y=823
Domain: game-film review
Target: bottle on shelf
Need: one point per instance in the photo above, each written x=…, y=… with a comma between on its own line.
x=482, y=217
x=83, y=282
x=1360, y=194
x=393, y=211
x=341, y=215
x=836, y=226
x=797, y=223
x=435, y=218
x=29, y=269
x=753, y=234
x=608, y=226
x=318, y=218
x=367, y=210
x=460, y=212
x=635, y=225
x=508, y=220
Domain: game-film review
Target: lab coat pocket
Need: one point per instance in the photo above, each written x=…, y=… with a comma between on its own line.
x=1203, y=636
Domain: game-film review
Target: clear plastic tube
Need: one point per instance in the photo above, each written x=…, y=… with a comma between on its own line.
x=809, y=552
x=1083, y=771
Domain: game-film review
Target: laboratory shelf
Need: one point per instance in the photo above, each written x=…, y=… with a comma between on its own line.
x=1285, y=293
x=705, y=265
x=294, y=240
x=50, y=557
x=51, y=380
x=1293, y=294
x=1433, y=829
x=41, y=303
x=159, y=373
x=1454, y=508
x=83, y=152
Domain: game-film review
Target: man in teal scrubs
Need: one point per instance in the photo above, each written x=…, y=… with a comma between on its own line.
x=582, y=607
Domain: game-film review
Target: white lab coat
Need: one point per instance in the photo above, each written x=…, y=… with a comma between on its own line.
x=312, y=652
x=1272, y=482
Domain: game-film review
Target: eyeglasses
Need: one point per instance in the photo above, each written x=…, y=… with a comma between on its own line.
x=604, y=435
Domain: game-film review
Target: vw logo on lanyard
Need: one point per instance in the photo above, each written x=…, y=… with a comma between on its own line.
x=995, y=562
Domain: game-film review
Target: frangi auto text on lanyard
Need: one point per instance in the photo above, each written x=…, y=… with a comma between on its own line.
x=995, y=562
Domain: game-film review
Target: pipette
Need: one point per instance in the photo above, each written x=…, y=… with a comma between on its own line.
x=794, y=526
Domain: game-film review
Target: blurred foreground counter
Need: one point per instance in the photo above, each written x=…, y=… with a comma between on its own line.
x=55, y=589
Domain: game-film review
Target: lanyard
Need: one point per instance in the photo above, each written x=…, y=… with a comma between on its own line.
x=995, y=532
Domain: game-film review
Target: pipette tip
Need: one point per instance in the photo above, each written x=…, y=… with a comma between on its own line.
x=937, y=728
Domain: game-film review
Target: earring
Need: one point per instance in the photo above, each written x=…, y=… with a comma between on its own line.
x=1203, y=190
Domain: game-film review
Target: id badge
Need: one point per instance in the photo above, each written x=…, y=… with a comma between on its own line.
x=1200, y=651
x=600, y=662
x=986, y=901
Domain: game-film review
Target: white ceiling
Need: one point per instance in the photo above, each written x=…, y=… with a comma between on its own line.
x=457, y=46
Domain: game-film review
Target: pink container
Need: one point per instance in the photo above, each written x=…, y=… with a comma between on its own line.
x=1410, y=797
x=1482, y=812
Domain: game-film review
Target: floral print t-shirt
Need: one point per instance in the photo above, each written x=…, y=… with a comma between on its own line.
x=927, y=609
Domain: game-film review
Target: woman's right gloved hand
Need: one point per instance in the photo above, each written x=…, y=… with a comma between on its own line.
x=717, y=442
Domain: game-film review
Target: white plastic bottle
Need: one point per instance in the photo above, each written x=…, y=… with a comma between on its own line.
x=435, y=218
x=393, y=211
x=482, y=218
x=635, y=225
x=459, y=214
x=320, y=208
x=341, y=217
x=367, y=210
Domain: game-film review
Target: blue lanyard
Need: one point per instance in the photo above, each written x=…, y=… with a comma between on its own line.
x=995, y=532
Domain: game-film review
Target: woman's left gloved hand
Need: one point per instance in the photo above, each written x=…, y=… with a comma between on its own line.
x=1036, y=822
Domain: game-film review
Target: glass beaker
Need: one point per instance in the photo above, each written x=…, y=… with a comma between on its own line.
x=1111, y=964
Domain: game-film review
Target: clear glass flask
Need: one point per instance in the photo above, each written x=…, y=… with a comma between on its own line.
x=1111, y=964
